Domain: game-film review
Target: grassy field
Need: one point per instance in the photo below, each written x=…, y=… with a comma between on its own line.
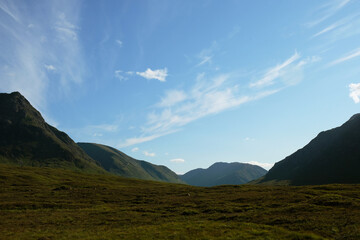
x=44, y=203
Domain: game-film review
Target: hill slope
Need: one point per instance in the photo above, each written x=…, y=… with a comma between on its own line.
x=119, y=163
x=26, y=139
x=223, y=173
x=332, y=157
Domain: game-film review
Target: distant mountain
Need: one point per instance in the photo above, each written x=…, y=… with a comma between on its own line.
x=332, y=157
x=223, y=173
x=119, y=163
x=26, y=139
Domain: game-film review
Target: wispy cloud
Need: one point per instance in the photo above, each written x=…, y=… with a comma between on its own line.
x=120, y=75
x=206, y=55
x=204, y=59
x=171, y=98
x=143, y=138
x=248, y=139
x=29, y=44
x=149, y=154
x=327, y=10
x=355, y=92
x=159, y=74
x=278, y=71
x=177, y=160
x=353, y=54
x=343, y=28
x=208, y=96
x=119, y=42
x=135, y=149
x=50, y=67
x=214, y=94
x=325, y=30
x=66, y=30
x=10, y=9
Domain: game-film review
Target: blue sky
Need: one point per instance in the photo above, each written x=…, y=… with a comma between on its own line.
x=186, y=83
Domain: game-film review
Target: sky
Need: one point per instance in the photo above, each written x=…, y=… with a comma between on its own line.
x=186, y=83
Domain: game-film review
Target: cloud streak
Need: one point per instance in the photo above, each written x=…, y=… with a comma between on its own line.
x=214, y=94
x=280, y=70
x=328, y=10
x=28, y=45
x=177, y=160
x=343, y=28
x=353, y=54
x=289, y=72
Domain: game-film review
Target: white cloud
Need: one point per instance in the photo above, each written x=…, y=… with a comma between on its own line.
x=212, y=95
x=10, y=9
x=327, y=10
x=177, y=160
x=351, y=55
x=325, y=30
x=120, y=43
x=119, y=75
x=206, y=55
x=148, y=154
x=135, y=149
x=355, y=92
x=266, y=166
x=278, y=71
x=248, y=139
x=50, y=67
x=65, y=28
x=159, y=74
x=29, y=40
x=206, y=97
x=171, y=98
x=141, y=139
x=343, y=28
x=204, y=59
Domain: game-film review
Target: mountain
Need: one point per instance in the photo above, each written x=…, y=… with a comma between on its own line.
x=332, y=157
x=26, y=139
x=223, y=173
x=119, y=163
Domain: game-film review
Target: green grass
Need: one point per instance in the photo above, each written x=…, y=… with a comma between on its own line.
x=45, y=203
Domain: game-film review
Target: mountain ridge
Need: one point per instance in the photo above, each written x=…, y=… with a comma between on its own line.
x=222, y=173
x=333, y=156
x=26, y=139
x=118, y=163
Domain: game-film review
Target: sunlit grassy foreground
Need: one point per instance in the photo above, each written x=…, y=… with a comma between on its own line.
x=44, y=203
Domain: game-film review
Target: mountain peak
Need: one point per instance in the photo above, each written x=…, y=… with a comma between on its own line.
x=26, y=139
x=355, y=117
x=221, y=173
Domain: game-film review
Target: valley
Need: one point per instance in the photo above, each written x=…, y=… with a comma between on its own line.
x=47, y=203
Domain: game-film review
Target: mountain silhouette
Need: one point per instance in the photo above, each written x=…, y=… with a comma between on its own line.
x=26, y=139
x=117, y=162
x=223, y=173
x=331, y=157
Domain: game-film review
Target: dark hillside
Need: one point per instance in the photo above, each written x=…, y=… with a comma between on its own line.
x=223, y=173
x=332, y=157
x=117, y=162
x=26, y=139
